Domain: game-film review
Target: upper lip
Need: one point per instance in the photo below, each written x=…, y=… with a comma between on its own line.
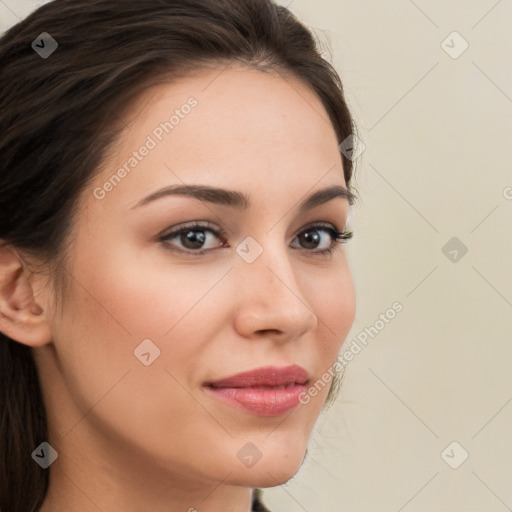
x=267, y=376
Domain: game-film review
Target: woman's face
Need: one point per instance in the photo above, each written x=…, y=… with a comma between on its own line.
x=148, y=322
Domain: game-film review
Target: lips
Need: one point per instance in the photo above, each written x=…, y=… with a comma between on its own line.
x=267, y=377
x=269, y=391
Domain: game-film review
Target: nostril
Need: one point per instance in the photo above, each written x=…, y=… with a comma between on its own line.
x=267, y=331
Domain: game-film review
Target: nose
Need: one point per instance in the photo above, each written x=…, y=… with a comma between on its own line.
x=270, y=299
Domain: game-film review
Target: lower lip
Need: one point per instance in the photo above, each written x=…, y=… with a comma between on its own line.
x=261, y=402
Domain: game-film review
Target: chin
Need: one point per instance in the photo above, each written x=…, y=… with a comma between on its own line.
x=278, y=475
x=272, y=470
x=275, y=476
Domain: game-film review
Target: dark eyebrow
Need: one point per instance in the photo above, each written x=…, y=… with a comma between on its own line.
x=240, y=200
x=326, y=194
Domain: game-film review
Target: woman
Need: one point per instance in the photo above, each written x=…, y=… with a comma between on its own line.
x=173, y=288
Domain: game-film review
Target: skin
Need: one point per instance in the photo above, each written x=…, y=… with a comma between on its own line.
x=132, y=437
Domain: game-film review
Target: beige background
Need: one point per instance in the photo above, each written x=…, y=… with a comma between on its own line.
x=437, y=165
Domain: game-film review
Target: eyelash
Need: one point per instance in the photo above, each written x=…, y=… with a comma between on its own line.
x=341, y=236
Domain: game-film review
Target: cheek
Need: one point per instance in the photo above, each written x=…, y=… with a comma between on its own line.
x=334, y=303
x=125, y=297
x=114, y=306
x=141, y=291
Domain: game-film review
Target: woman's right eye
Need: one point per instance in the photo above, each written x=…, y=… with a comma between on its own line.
x=193, y=237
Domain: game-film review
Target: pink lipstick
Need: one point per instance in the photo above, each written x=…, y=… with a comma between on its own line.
x=269, y=391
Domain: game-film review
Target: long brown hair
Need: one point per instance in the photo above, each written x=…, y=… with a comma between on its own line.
x=59, y=115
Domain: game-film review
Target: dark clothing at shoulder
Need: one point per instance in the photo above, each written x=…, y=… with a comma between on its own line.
x=257, y=503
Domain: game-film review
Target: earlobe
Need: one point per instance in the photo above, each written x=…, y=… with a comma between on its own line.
x=21, y=317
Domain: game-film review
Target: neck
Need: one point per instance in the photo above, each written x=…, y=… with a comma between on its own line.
x=102, y=479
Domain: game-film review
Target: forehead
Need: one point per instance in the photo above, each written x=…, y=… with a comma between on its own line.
x=225, y=126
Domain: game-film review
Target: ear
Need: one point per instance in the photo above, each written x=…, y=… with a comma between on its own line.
x=21, y=317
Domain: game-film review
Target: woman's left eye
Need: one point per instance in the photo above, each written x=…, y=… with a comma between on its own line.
x=193, y=238
x=311, y=239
